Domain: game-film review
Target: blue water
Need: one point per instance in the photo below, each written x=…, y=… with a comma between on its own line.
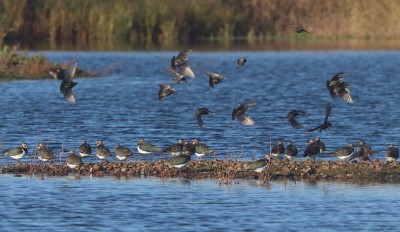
x=151, y=204
x=122, y=106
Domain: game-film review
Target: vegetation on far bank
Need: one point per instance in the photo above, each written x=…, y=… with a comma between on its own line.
x=191, y=21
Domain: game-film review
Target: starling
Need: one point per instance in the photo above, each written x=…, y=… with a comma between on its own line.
x=337, y=87
x=68, y=83
x=325, y=125
x=240, y=62
x=179, y=63
x=214, y=78
x=300, y=29
x=312, y=150
x=165, y=91
x=292, y=114
x=199, y=112
x=179, y=78
x=239, y=114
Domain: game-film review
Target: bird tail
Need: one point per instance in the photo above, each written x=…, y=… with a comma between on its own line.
x=296, y=124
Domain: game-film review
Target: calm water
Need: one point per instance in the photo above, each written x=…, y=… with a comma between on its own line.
x=123, y=106
x=106, y=204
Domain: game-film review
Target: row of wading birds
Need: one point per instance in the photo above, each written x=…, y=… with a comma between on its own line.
x=182, y=151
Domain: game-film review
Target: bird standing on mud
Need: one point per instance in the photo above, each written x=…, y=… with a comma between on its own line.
x=17, y=152
x=239, y=114
x=68, y=83
x=392, y=153
x=73, y=160
x=175, y=149
x=290, y=150
x=325, y=125
x=278, y=149
x=199, y=112
x=291, y=118
x=179, y=63
x=344, y=153
x=102, y=150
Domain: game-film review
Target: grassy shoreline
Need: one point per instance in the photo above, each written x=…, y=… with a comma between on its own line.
x=225, y=171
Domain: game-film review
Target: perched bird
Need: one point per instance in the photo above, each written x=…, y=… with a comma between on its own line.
x=344, y=153
x=325, y=125
x=292, y=114
x=200, y=148
x=179, y=63
x=188, y=148
x=165, y=91
x=290, y=150
x=73, y=160
x=258, y=165
x=278, y=149
x=318, y=142
x=392, y=153
x=44, y=153
x=17, y=152
x=337, y=87
x=240, y=62
x=68, y=83
x=199, y=112
x=179, y=78
x=175, y=149
x=214, y=78
x=363, y=153
x=85, y=149
x=239, y=114
x=300, y=29
x=102, y=150
x=311, y=150
x=178, y=161
x=122, y=152
x=144, y=147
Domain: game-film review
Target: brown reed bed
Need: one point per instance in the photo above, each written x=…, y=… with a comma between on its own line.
x=224, y=171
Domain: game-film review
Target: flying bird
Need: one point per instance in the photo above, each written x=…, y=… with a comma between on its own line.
x=239, y=114
x=68, y=83
x=300, y=29
x=240, y=62
x=214, y=78
x=178, y=77
x=165, y=91
x=291, y=118
x=337, y=87
x=179, y=63
x=199, y=112
x=325, y=125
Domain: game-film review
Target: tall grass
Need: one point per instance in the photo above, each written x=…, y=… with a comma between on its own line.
x=169, y=21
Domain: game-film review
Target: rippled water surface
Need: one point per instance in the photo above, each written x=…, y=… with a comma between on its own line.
x=107, y=204
x=123, y=106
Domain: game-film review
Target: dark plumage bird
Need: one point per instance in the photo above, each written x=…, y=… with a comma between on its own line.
x=337, y=87
x=318, y=142
x=258, y=165
x=145, y=147
x=178, y=161
x=44, y=153
x=214, y=78
x=290, y=150
x=175, y=149
x=17, y=152
x=179, y=63
x=165, y=91
x=325, y=125
x=344, y=153
x=199, y=112
x=102, y=150
x=188, y=148
x=68, y=83
x=278, y=149
x=179, y=78
x=300, y=29
x=200, y=148
x=312, y=150
x=291, y=118
x=240, y=62
x=239, y=114
x=73, y=160
x=122, y=152
x=392, y=153
x=85, y=149
x=363, y=153
x=57, y=72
